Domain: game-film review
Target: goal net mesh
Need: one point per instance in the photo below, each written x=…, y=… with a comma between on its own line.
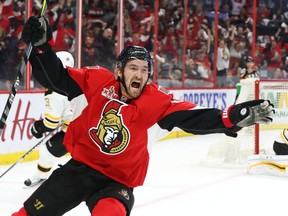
x=234, y=152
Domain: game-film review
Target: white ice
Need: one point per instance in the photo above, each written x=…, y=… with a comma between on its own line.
x=176, y=185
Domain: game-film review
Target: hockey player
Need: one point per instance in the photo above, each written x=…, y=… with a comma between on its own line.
x=280, y=145
x=269, y=164
x=57, y=111
x=110, y=141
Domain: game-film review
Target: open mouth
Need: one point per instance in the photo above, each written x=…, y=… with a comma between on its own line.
x=135, y=85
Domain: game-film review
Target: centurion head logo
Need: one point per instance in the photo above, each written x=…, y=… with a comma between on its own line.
x=111, y=135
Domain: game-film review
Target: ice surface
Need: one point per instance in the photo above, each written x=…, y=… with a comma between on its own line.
x=176, y=184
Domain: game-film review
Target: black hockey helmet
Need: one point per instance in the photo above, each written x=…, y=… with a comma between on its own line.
x=249, y=59
x=134, y=52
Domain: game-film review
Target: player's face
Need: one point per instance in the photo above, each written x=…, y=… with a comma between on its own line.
x=135, y=77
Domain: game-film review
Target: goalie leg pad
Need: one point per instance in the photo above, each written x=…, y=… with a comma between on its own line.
x=280, y=148
x=55, y=145
x=276, y=165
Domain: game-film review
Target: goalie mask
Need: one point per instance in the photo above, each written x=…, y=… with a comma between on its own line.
x=66, y=58
x=134, y=52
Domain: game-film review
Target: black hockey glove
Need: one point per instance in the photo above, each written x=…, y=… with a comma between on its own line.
x=248, y=113
x=36, y=130
x=38, y=32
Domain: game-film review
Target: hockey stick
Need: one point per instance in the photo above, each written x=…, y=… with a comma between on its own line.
x=17, y=81
x=46, y=138
x=238, y=90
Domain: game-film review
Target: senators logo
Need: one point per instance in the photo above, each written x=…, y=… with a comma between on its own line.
x=111, y=135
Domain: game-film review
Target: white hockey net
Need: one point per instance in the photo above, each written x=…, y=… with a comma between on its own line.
x=234, y=152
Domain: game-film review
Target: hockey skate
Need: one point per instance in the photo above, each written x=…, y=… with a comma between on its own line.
x=35, y=180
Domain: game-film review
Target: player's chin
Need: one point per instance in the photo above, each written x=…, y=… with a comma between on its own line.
x=135, y=92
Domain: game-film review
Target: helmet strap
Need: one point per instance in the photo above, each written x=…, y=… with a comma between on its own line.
x=122, y=81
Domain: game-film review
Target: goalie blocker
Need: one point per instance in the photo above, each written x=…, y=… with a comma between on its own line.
x=272, y=164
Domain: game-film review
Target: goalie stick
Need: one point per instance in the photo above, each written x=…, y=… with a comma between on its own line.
x=46, y=138
x=17, y=81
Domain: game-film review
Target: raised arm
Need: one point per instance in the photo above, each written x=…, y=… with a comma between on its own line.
x=46, y=66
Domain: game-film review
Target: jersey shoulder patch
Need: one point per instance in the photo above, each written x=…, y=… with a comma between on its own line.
x=162, y=89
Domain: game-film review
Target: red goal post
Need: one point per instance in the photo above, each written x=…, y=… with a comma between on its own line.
x=257, y=139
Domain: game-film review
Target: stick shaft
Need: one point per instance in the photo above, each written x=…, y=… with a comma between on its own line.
x=44, y=140
x=17, y=81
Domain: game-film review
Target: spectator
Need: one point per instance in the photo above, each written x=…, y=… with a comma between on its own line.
x=4, y=20
x=64, y=35
x=140, y=11
x=9, y=59
x=89, y=54
x=279, y=74
x=164, y=77
x=237, y=5
x=170, y=42
x=241, y=36
x=8, y=8
x=282, y=34
x=235, y=72
x=285, y=66
x=230, y=80
x=136, y=40
x=191, y=75
x=94, y=10
x=236, y=52
x=106, y=49
x=198, y=71
x=223, y=61
x=274, y=55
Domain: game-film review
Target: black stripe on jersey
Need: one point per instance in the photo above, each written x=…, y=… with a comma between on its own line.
x=51, y=121
x=197, y=121
x=43, y=169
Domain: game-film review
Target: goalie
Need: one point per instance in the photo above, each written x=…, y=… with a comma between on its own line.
x=272, y=164
x=280, y=145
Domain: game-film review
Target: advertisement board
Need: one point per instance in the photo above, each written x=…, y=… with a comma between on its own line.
x=26, y=108
x=16, y=138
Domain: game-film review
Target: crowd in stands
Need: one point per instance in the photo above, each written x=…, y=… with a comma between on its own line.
x=202, y=60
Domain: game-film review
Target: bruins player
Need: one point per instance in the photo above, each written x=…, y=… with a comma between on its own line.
x=269, y=164
x=280, y=145
x=57, y=111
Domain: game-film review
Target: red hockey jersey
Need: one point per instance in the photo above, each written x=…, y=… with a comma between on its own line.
x=111, y=136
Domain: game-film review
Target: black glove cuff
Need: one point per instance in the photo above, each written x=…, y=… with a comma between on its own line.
x=238, y=113
x=39, y=126
x=44, y=47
